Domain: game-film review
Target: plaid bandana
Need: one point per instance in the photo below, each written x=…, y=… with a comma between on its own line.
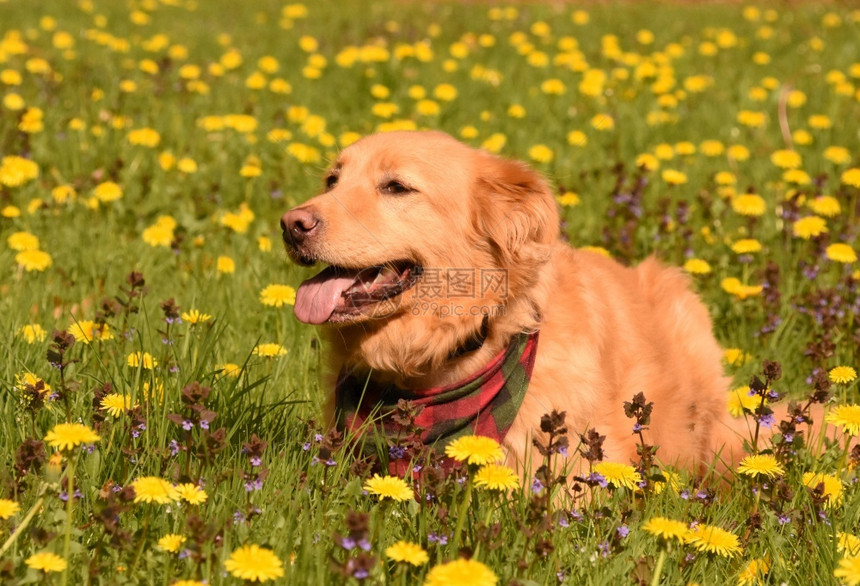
x=484, y=404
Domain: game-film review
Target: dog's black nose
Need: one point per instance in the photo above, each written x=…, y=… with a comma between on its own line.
x=299, y=224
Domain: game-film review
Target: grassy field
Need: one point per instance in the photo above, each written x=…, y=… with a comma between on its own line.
x=154, y=369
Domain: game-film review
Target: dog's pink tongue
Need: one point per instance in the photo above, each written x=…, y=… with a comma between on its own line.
x=317, y=297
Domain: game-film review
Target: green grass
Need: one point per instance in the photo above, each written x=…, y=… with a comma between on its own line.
x=69, y=60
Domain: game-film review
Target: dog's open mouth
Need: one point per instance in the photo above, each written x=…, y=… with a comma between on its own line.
x=338, y=294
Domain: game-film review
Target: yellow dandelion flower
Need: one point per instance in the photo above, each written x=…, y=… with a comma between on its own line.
x=107, y=191
x=841, y=252
x=46, y=562
x=673, y=177
x=496, y=477
x=851, y=177
x=191, y=493
x=33, y=260
x=847, y=543
x=225, y=265
x=809, y=227
x=725, y=178
x=63, y=193
x=152, y=489
x=348, y=138
x=171, y=543
x=469, y=132
x=270, y=350
x=842, y=374
x=619, y=475
x=278, y=295
x=832, y=486
x=115, y=404
x=733, y=286
x=753, y=573
x=796, y=98
x=28, y=379
x=797, y=177
x=712, y=148
x=304, y=153
x=166, y=160
x=802, y=137
x=461, y=572
x=406, y=552
x=786, y=159
x=568, y=199
x=553, y=87
x=32, y=333
x=237, y=222
x=577, y=138
x=8, y=508
x=158, y=235
x=147, y=137
x=475, y=449
x=760, y=465
x=195, y=316
x=847, y=417
x=86, y=331
x=746, y=246
x=229, y=369
x=390, y=487
x=738, y=152
x=751, y=118
x=666, y=529
x=825, y=205
x=647, y=161
x=848, y=571
x=22, y=241
x=495, y=142
x=740, y=401
x=603, y=122
x=597, y=250
x=712, y=539
x=251, y=169
x=255, y=564
x=734, y=356
x=65, y=436
x=837, y=154
x=142, y=360
x=389, y=109
x=697, y=266
x=445, y=92
x=748, y=204
x=820, y=121
x=13, y=102
x=186, y=165
x=541, y=153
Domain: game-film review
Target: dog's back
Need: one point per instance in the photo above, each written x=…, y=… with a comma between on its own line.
x=610, y=332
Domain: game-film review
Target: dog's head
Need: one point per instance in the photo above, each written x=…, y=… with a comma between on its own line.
x=424, y=237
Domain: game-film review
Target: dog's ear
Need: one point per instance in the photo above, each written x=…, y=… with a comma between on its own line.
x=514, y=208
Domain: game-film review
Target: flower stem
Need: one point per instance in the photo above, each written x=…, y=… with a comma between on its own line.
x=26, y=521
x=463, y=513
x=658, y=569
x=142, y=540
x=70, y=501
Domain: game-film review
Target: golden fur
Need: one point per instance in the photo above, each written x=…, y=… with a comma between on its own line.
x=607, y=331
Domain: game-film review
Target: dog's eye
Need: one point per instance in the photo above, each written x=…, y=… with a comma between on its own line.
x=330, y=181
x=395, y=188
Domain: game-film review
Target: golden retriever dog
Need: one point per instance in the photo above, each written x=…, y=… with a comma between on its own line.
x=407, y=214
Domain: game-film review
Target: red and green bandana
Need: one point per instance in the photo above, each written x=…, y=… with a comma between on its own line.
x=484, y=404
